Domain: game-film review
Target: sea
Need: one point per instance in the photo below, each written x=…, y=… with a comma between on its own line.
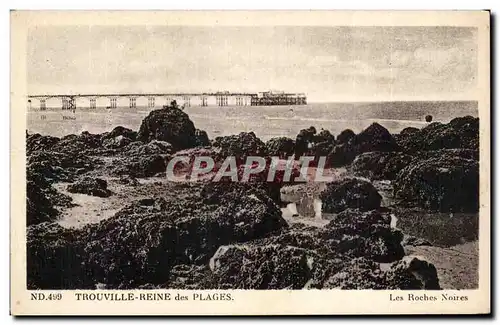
x=265, y=121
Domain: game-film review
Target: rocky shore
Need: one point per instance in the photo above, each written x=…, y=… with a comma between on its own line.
x=207, y=235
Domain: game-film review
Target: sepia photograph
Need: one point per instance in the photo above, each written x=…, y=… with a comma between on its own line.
x=264, y=157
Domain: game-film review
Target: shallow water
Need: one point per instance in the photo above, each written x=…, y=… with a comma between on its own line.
x=265, y=121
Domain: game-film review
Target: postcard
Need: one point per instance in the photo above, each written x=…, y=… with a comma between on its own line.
x=250, y=162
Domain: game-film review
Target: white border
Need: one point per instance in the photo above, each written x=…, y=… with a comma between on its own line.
x=256, y=4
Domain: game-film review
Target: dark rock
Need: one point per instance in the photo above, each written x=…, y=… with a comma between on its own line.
x=448, y=154
x=438, y=229
x=364, y=234
x=350, y=193
x=191, y=277
x=304, y=141
x=78, y=144
x=169, y=124
x=386, y=165
x=119, y=141
x=144, y=241
x=36, y=142
x=201, y=138
x=409, y=130
x=154, y=147
x=42, y=169
x=356, y=274
x=412, y=273
x=374, y=138
x=428, y=118
x=321, y=149
x=343, y=255
x=346, y=136
x=240, y=146
x=128, y=180
x=380, y=165
x=282, y=147
x=90, y=186
x=341, y=155
x=415, y=241
x=55, y=259
x=324, y=136
x=42, y=200
x=139, y=166
x=445, y=184
x=56, y=166
x=38, y=205
x=185, y=167
x=120, y=131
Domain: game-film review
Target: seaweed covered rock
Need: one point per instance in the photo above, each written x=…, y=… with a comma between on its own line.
x=346, y=254
x=133, y=247
x=39, y=207
x=356, y=274
x=444, y=184
x=374, y=138
x=364, y=234
x=341, y=155
x=409, y=130
x=191, y=277
x=169, y=124
x=120, y=131
x=409, y=240
x=380, y=165
x=412, y=273
x=347, y=193
x=78, y=144
x=184, y=160
x=282, y=147
x=37, y=142
x=42, y=200
x=461, y=133
x=154, y=147
x=145, y=240
x=423, y=227
x=90, y=186
x=324, y=136
x=240, y=146
x=224, y=192
x=117, y=142
x=201, y=138
x=139, y=166
x=55, y=259
x=448, y=154
x=261, y=267
x=409, y=273
x=128, y=180
x=218, y=192
x=304, y=141
x=345, y=136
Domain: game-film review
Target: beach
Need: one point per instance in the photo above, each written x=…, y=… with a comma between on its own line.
x=265, y=121
x=99, y=191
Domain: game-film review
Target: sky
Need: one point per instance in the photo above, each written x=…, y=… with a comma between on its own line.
x=326, y=63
